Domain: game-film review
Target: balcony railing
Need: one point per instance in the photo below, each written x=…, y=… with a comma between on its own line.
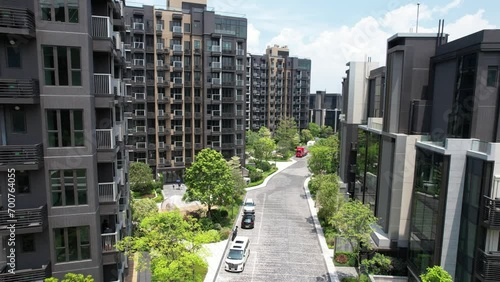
x=177, y=48
x=491, y=212
x=215, y=48
x=22, y=88
x=13, y=21
x=108, y=192
x=102, y=83
x=240, y=52
x=176, y=29
x=26, y=275
x=487, y=265
x=102, y=27
x=215, y=65
x=109, y=240
x=216, y=81
x=239, y=83
x=105, y=138
x=20, y=156
x=28, y=220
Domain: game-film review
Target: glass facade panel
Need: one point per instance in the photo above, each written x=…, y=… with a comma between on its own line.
x=367, y=167
x=426, y=214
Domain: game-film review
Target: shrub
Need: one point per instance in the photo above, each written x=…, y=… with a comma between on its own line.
x=194, y=214
x=264, y=165
x=399, y=267
x=341, y=258
x=364, y=278
x=217, y=226
x=205, y=223
x=255, y=175
x=225, y=232
x=330, y=241
x=378, y=264
x=210, y=236
x=349, y=279
x=224, y=214
x=347, y=258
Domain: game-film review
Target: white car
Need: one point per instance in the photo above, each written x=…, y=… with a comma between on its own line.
x=238, y=254
x=249, y=206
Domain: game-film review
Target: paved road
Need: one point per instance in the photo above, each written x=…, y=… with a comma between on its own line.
x=283, y=245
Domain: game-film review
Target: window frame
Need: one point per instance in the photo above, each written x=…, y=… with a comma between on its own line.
x=495, y=82
x=68, y=5
x=17, y=51
x=59, y=129
x=65, y=243
x=23, y=113
x=61, y=185
x=70, y=65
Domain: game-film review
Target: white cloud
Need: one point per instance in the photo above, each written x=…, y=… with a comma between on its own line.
x=253, y=39
x=331, y=48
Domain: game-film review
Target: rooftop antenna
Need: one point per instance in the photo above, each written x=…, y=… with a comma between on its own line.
x=418, y=11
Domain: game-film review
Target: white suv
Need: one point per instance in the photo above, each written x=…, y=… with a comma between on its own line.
x=249, y=206
x=238, y=254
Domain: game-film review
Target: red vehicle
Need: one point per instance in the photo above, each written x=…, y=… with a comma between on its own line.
x=301, y=152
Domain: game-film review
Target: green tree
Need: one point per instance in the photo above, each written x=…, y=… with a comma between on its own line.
x=353, y=222
x=239, y=183
x=142, y=208
x=209, y=180
x=286, y=135
x=333, y=143
x=436, y=274
x=251, y=137
x=328, y=196
x=169, y=239
x=314, y=128
x=263, y=148
x=306, y=135
x=140, y=177
x=72, y=277
x=321, y=160
x=264, y=132
x=326, y=131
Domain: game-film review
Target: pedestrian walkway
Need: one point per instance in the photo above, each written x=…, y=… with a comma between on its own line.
x=215, y=253
x=281, y=166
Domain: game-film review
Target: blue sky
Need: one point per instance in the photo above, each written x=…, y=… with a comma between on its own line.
x=332, y=33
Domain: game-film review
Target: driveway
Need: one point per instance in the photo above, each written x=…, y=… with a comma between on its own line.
x=283, y=245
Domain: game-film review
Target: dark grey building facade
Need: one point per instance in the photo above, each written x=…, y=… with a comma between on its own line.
x=185, y=72
x=61, y=130
x=325, y=109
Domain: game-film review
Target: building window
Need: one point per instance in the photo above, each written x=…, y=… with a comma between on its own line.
x=187, y=27
x=65, y=128
x=492, y=76
x=22, y=182
x=69, y=187
x=18, y=117
x=13, y=57
x=72, y=243
x=28, y=243
x=197, y=44
x=62, y=65
x=59, y=10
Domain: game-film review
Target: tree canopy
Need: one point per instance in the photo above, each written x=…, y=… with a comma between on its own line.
x=140, y=177
x=328, y=196
x=239, y=183
x=436, y=274
x=286, y=135
x=169, y=239
x=353, y=222
x=326, y=131
x=263, y=148
x=209, y=180
x=142, y=208
x=314, y=128
x=264, y=132
x=321, y=160
x=306, y=135
x=251, y=137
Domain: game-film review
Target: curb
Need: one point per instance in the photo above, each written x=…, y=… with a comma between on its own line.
x=264, y=184
x=327, y=253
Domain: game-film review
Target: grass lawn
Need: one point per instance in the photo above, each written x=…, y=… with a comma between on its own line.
x=264, y=176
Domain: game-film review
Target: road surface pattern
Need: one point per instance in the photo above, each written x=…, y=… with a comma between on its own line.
x=283, y=245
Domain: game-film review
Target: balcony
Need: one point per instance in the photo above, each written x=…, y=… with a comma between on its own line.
x=26, y=220
x=177, y=81
x=108, y=191
x=177, y=48
x=487, y=265
x=491, y=212
x=216, y=81
x=215, y=65
x=26, y=275
x=240, y=52
x=103, y=84
x=21, y=157
x=102, y=27
x=138, y=26
x=105, y=139
x=240, y=83
x=109, y=240
x=17, y=22
x=215, y=48
x=23, y=91
x=177, y=31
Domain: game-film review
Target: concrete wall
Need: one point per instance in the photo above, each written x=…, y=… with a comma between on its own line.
x=358, y=91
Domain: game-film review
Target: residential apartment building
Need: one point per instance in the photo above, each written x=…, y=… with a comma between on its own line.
x=61, y=130
x=278, y=86
x=185, y=73
x=325, y=109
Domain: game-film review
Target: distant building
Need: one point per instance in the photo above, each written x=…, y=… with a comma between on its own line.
x=325, y=109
